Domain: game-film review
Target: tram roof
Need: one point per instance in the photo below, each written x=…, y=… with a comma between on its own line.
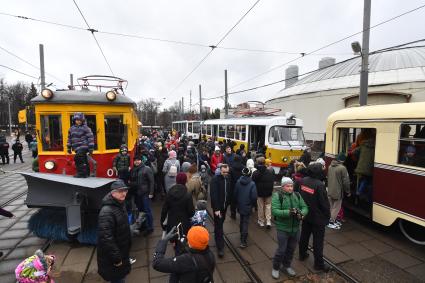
x=414, y=110
x=256, y=121
x=82, y=97
x=185, y=121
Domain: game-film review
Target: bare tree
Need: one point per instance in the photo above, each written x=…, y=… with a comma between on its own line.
x=148, y=111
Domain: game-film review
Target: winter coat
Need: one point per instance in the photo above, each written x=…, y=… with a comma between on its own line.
x=113, y=240
x=220, y=192
x=245, y=195
x=28, y=138
x=313, y=191
x=4, y=147
x=338, y=180
x=191, y=267
x=170, y=181
x=178, y=206
x=142, y=180
x=236, y=171
x=17, y=147
x=366, y=153
x=264, y=180
x=121, y=162
x=229, y=158
x=194, y=185
x=80, y=138
x=280, y=210
x=215, y=160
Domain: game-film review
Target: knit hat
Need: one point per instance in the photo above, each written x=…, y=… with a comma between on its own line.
x=321, y=161
x=246, y=171
x=78, y=116
x=185, y=166
x=341, y=157
x=198, y=238
x=250, y=163
x=286, y=181
x=181, y=178
x=217, y=148
x=172, y=154
x=201, y=204
x=118, y=185
x=268, y=162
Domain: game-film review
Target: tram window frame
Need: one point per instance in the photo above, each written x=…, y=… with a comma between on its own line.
x=204, y=129
x=110, y=143
x=58, y=130
x=93, y=128
x=240, y=132
x=222, y=131
x=230, y=131
x=274, y=129
x=209, y=129
x=412, y=140
x=190, y=127
x=196, y=127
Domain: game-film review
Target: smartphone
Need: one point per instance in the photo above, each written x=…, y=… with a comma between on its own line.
x=179, y=231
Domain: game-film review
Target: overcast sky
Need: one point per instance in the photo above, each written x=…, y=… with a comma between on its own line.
x=155, y=68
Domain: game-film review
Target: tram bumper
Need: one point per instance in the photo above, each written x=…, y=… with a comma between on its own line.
x=62, y=191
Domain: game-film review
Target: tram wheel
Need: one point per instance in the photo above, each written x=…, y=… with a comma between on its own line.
x=412, y=231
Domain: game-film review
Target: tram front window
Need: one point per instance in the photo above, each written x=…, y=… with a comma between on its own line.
x=51, y=135
x=90, y=121
x=115, y=131
x=292, y=136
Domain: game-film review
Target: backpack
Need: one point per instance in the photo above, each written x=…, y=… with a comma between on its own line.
x=281, y=197
x=172, y=172
x=206, y=271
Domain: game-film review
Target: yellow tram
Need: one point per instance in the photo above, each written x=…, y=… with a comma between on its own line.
x=281, y=135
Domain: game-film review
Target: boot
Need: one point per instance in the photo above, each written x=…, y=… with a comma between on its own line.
x=243, y=241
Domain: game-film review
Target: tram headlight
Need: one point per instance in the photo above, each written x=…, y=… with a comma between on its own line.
x=111, y=95
x=47, y=93
x=285, y=159
x=49, y=165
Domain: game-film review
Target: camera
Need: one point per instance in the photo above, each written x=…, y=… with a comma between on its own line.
x=295, y=212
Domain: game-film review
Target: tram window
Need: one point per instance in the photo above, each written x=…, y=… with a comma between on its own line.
x=190, y=129
x=242, y=132
x=204, y=129
x=222, y=131
x=230, y=131
x=208, y=129
x=196, y=127
x=115, y=131
x=90, y=121
x=286, y=135
x=412, y=144
x=51, y=126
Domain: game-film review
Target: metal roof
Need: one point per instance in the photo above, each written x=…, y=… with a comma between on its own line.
x=81, y=97
x=385, y=67
x=259, y=121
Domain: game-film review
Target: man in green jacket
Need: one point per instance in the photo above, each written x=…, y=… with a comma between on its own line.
x=288, y=209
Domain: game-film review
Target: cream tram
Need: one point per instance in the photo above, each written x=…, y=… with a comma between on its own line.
x=189, y=128
x=395, y=141
x=282, y=136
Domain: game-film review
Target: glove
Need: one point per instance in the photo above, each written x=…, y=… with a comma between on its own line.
x=170, y=235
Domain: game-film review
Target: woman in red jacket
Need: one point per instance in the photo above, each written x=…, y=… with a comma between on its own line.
x=216, y=159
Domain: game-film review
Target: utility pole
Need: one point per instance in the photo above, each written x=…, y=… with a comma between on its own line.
x=226, y=110
x=71, y=82
x=364, y=73
x=190, y=101
x=182, y=108
x=42, y=76
x=200, y=103
x=10, y=116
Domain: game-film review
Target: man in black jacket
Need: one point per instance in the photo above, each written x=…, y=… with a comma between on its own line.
x=142, y=183
x=17, y=148
x=220, y=194
x=113, y=235
x=313, y=191
x=196, y=265
x=264, y=180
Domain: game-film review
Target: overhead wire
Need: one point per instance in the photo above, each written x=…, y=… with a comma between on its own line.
x=17, y=71
x=213, y=47
x=29, y=63
x=328, y=45
x=94, y=37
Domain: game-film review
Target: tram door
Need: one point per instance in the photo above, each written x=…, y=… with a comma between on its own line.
x=256, y=137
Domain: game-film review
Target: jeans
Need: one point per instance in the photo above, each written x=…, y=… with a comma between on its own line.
x=143, y=203
x=243, y=227
x=218, y=229
x=287, y=242
x=318, y=232
x=122, y=280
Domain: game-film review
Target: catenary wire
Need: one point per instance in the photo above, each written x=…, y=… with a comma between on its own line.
x=94, y=37
x=328, y=45
x=29, y=63
x=213, y=47
x=22, y=73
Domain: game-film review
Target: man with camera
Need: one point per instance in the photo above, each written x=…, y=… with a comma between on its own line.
x=288, y=209
x=197, y=264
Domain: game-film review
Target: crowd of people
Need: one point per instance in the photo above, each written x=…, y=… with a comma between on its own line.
x=170, y=168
